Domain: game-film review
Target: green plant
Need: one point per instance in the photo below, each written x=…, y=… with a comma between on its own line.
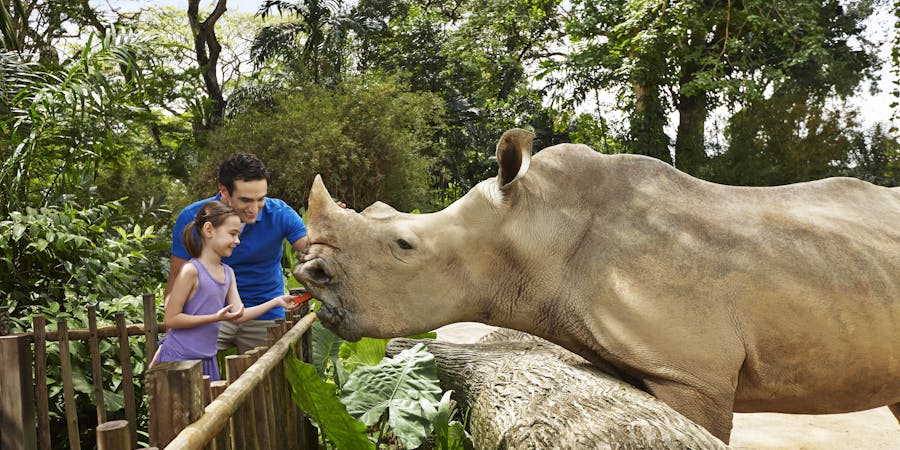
x=57, y=261
x=352, y=387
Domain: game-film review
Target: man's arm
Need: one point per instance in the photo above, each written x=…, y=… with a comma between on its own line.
x=175, y=264
x=301, y=245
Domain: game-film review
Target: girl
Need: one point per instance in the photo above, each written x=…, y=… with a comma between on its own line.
x=202, y=287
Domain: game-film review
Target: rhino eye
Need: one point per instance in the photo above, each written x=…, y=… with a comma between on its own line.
x=403, y=244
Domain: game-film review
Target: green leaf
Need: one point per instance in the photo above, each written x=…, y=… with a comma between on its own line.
x=398, y=386
x=365, y=352
x=449, y=435
x=325, y=348
x=318, y=399
x=114, y=401
x=18, y=231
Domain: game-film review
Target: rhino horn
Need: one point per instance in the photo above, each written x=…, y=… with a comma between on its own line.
x=513, y=154
x=320, y=203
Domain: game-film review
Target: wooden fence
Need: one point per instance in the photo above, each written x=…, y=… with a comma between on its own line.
x=24, y=408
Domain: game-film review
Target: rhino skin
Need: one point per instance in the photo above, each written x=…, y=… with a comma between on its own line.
x=712, y=298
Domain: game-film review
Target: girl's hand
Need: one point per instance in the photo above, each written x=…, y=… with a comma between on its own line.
x=287, y=302
x=226, y=314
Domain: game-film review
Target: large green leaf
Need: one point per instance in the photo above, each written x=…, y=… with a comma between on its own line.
x=319, y=400
x=325, y=348
x=405, y=387
x=365, y=352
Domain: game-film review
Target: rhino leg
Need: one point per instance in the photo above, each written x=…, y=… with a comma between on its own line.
x=895, y=408
x=710, y=410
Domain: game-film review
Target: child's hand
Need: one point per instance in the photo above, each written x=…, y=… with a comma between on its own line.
x=287, y=302
x=226, y=314
x=293, y=302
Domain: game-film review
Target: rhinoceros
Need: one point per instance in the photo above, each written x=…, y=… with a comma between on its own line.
x=715, y=299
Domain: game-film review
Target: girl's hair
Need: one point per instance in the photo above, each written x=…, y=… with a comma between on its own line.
x=214, y=212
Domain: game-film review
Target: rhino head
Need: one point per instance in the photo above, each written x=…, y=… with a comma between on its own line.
x=384, y=273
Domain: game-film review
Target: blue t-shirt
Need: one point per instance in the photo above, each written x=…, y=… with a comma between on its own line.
x=257, y=259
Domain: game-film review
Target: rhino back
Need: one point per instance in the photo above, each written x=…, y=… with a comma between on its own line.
x=667, y=267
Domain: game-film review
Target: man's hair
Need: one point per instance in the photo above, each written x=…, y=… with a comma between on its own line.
x=244, y=167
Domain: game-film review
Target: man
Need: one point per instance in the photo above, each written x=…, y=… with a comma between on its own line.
x=266, y=223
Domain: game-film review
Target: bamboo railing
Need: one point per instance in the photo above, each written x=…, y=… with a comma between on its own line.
x=256, y=397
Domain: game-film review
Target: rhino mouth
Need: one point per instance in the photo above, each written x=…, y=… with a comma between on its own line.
x=319, y=276
x=330, y=315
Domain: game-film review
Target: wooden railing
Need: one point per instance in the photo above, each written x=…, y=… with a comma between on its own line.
x=254, y=410
x=24, y=408
x=24, y=403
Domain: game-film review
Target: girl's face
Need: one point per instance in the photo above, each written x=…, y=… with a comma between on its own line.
x=224, y=238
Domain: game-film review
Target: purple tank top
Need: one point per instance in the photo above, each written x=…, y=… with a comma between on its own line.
x=180, y=344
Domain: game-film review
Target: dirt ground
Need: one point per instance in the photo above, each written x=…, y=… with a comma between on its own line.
x=875, y=429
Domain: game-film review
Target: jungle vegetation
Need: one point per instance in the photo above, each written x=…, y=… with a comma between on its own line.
x=112, y=120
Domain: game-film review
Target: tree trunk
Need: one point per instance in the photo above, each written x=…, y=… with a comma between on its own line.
x=524, y=392
x=690, y=143
x=690, y=140
x=207, y=48
x=648, y=121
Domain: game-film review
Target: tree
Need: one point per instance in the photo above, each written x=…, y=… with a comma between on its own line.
x=784, y=140
x=37, y=26
x=313, y=44
x=364, y=137
x=689, y=57
x=208, y=48
x=474, y=55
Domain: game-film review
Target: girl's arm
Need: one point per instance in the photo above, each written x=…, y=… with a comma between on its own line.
x=183, y=288
x=285, y=301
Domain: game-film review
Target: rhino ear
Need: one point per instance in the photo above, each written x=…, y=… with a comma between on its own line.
x=379, y=210
x=320, y=202
x=513, y=155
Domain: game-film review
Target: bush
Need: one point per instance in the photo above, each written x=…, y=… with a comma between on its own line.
x=364, y=138
x=59, y=259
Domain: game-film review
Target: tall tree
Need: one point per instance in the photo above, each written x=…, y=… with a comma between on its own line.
x=688, y=57
x=208, y=48
x=476, y=56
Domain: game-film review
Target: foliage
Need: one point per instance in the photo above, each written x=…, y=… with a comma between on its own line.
x=38, y=26
x=397, y=388
x=318, y=399
x=68, y=257
x=364, y=138
x=313, y=46
x=398, y=398
x=475, y=56
x=684, y=57
x=785, y=140
x=84, y=132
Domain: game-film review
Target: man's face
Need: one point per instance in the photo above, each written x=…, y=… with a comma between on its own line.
x=247, y=198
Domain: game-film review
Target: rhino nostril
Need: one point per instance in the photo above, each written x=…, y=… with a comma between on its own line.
x=314, y=272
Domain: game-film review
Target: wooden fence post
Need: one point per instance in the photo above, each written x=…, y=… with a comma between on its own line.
x=114, y=435
x=223, y=440
x=4, y=320
x=243, y=423
x=309, y=435
x=127, y=377
x=41, y=392
x=175, y=397
x=65, y=361
x=262, y=405
x=151, y=329
x=17, y=427
x=96, y=369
